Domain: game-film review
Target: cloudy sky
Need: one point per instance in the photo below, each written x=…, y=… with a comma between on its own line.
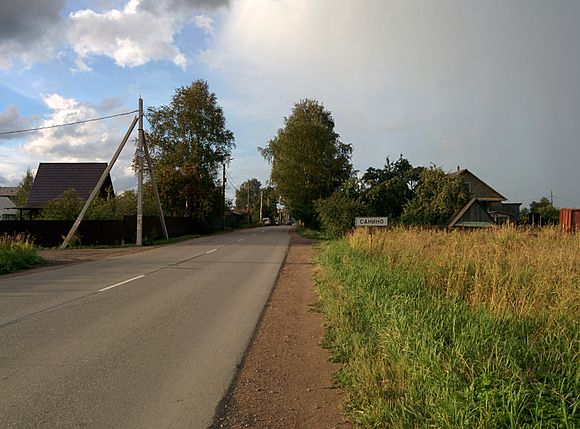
x=488, y=85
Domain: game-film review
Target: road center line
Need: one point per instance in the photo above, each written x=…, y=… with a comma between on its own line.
x=121, y=283
x=210, y=251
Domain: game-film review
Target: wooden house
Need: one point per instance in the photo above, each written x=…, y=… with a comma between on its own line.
x=52, y=179
x=487, y=207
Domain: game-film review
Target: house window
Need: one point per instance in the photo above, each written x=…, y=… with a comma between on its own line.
x=468, y=184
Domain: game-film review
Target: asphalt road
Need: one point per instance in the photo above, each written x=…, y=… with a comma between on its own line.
x=146, y=340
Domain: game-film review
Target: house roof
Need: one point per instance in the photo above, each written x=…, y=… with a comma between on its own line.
x=6, y=206
x=8, y=191
x=53, y=178
x=478, y=188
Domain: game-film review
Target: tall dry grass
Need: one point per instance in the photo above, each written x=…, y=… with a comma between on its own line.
x=508, y=270
x=17, y=253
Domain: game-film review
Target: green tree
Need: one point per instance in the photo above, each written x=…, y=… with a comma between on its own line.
x=549, y=213
x=337, y=212
x=248, y=196
x=66, y=207
x=24, y=188
x=437, y=197
x=390, y=188
x=269, y=202
x=189, y=142
x=308, y=160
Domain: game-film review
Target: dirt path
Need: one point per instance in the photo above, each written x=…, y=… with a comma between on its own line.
x=285, y=377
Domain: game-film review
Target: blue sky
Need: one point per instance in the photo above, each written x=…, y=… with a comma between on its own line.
x=492, y=86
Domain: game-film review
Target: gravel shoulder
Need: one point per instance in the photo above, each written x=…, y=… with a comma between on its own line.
x=285, y=377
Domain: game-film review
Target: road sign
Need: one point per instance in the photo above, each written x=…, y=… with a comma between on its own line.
x=371, y=221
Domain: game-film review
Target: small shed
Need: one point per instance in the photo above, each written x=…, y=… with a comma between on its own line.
x=570, y=219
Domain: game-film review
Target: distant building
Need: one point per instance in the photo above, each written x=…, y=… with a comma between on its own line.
x=9, y=192
x=570, y=219
x=52, y=179
x=487, y=207
x=7, y=209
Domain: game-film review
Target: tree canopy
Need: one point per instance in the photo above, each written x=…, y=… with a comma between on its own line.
x=437, y=197
x=545, y=208
x=189, y=141
x=248, y=196
x=24, y=188
x=308, y=159
x=388, y=190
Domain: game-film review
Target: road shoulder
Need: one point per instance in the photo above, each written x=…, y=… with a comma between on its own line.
x=285, y=377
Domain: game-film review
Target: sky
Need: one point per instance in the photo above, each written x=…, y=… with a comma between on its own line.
x=488, y=85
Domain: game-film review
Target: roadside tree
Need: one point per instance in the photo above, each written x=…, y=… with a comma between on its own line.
x=189, y=142
x=248, y=196
x=388, y=190
x=307, y=158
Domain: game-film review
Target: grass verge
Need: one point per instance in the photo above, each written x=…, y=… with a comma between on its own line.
x=420, y=353
x=312, y=233
x=17, y=253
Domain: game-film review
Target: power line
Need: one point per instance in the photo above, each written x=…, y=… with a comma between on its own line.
x=236, y=186
x=4, y=133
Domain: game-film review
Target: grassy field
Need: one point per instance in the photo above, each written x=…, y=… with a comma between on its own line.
x=17, y=253
x=457, y=330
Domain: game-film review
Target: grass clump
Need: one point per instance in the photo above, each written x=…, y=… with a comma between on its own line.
x=427, y=339
x=17, y=253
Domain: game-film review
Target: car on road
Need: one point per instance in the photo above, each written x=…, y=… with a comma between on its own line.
x=266, y=221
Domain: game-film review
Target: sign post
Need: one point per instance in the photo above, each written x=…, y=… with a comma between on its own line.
x=371, y=223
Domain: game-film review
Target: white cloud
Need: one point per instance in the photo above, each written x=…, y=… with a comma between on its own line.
x=89, y=142
x=138, y=33
x=204, y=22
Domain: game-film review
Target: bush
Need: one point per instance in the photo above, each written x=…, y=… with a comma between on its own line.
x=17, y=253
x=337, y=213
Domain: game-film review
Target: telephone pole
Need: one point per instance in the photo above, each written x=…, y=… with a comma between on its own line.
x=224, y=192
x=261, y=203
x=139, y=240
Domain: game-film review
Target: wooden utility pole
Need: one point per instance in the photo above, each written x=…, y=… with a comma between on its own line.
x=139, y=240
x=224, y=193
x=261, y=202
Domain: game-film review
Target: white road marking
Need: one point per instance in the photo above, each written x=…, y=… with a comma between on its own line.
x=210, y=251
x=241, y=239
x=121, y=283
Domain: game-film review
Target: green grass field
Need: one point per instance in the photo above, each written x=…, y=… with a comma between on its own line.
x=455, y=330
x=17, y=253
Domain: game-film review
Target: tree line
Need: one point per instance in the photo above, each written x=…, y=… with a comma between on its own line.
x=311, y=173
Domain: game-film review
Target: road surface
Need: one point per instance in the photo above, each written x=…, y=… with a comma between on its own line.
x=146, y=340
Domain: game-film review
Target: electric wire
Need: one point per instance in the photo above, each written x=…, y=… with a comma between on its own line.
x=4, y=133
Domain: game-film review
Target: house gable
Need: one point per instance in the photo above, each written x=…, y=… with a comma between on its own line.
x=472, y=215
x=478, y=188
x=52, y=179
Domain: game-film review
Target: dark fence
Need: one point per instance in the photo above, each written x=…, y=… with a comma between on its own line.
x=51, y=233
